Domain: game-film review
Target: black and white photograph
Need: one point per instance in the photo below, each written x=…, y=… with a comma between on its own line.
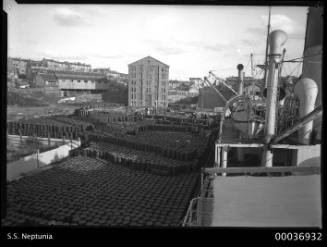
x=163, y=116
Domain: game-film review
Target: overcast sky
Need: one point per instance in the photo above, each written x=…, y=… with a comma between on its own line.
x=191, y=39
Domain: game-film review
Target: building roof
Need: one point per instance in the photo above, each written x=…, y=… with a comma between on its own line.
x=149, y=57
x=50, y=60
x=66, y=62
x=19, y=59
x=78, y=75
x=48, y=77
x=183, y=87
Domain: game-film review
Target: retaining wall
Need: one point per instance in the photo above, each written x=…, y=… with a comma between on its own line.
x=35, y=161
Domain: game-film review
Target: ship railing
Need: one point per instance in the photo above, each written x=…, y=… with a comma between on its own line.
x=191, y=214
x=196, y=213
x=265, y=170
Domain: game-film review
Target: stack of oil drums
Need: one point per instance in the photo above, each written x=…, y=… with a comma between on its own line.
x=86, y=192
x=175, y=145
x=139, y=160
x=53, y=127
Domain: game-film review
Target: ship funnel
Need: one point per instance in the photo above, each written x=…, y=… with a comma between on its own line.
x=240, y=68
x=306, y=91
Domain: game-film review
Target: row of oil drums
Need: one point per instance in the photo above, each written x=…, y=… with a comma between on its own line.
x=164, y=127
x=16, y=218
x=114, y=130
x=111, y=196
x=143, y=160
x=146, y=163
x=72, y=121
x=43, y=130
x=180, y=142
x=182, y=120
x=184, y=123
x=136, y=154
x=85, y=119
x=158, y=146
x=109, y=117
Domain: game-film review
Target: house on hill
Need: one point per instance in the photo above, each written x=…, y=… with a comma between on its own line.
x=45, y=80
x=75, y=83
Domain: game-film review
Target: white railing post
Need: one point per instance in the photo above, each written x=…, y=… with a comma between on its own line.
x=224, y=158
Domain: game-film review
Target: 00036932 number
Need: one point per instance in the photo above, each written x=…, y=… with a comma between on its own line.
x=296, y=236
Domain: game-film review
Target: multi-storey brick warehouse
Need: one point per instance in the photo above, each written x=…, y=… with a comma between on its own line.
x=148, y=83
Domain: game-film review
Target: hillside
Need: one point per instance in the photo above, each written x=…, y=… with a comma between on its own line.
x=21, y=99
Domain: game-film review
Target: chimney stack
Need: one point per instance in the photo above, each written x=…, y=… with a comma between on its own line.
x=240, y=68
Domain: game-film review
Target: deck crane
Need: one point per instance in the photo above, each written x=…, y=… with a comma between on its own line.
x=206, y=81
x=222, y=81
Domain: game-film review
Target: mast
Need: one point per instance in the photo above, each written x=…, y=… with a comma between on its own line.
x=267, y=44
x=252, y=74
x=277, y=38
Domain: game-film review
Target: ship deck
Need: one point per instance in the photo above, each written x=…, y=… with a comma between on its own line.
x=245, y=201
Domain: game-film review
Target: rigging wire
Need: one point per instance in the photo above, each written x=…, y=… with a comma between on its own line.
x=247, y=64
x=286, y=65
x=295, y=68
x=295, y=59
